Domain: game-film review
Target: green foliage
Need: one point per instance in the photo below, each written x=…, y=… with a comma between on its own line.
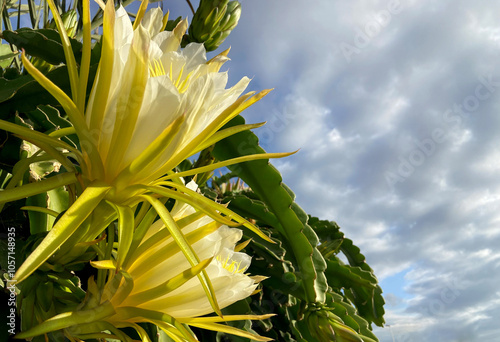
x=23, y=94
x=357, y=279
x=368, y=300
x=283, y=293
x=42, y=43
x=6, y=55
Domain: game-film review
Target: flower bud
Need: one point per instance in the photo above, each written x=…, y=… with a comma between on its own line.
x=213, y=22
x=325, y=326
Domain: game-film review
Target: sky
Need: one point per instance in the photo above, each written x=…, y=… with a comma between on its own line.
x=394, y=107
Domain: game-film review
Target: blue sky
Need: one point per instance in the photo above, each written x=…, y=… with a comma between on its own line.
x=394, y=106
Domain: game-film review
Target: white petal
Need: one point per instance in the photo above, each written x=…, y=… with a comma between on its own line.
x=123, y=34
x=160, y=107
x=191, y=301
x=181, y=210
x=170, y=41
x=207, y=98
x=155, y=52
x=153, y=229
x=164, y=40
x=153, y=21
x=229, y=237
x=192, y=185
x=168, y=268
x=232, y=261
x=195, y=55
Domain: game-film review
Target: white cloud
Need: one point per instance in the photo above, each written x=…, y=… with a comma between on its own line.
x=419, y=100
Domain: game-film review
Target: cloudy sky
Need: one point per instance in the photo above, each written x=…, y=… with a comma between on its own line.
x=395, y=108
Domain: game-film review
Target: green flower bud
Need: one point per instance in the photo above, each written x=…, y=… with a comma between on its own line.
x=231, y=17
x=319, y=325
x=213, y=22
x=325, y=326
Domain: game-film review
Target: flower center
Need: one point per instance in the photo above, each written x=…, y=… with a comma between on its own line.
x=230, y=265
x=156, y=68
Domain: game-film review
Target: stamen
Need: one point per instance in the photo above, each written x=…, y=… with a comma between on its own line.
x=230, y=265
x=156, y=68
x=179, y=77
x=162, y=68
x=185, y=84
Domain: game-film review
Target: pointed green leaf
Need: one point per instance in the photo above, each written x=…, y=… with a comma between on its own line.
x=37, y=187
x=63, y=229
x=104, y=264
x=125, y=232
x=230, y=330
x=69, y=319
